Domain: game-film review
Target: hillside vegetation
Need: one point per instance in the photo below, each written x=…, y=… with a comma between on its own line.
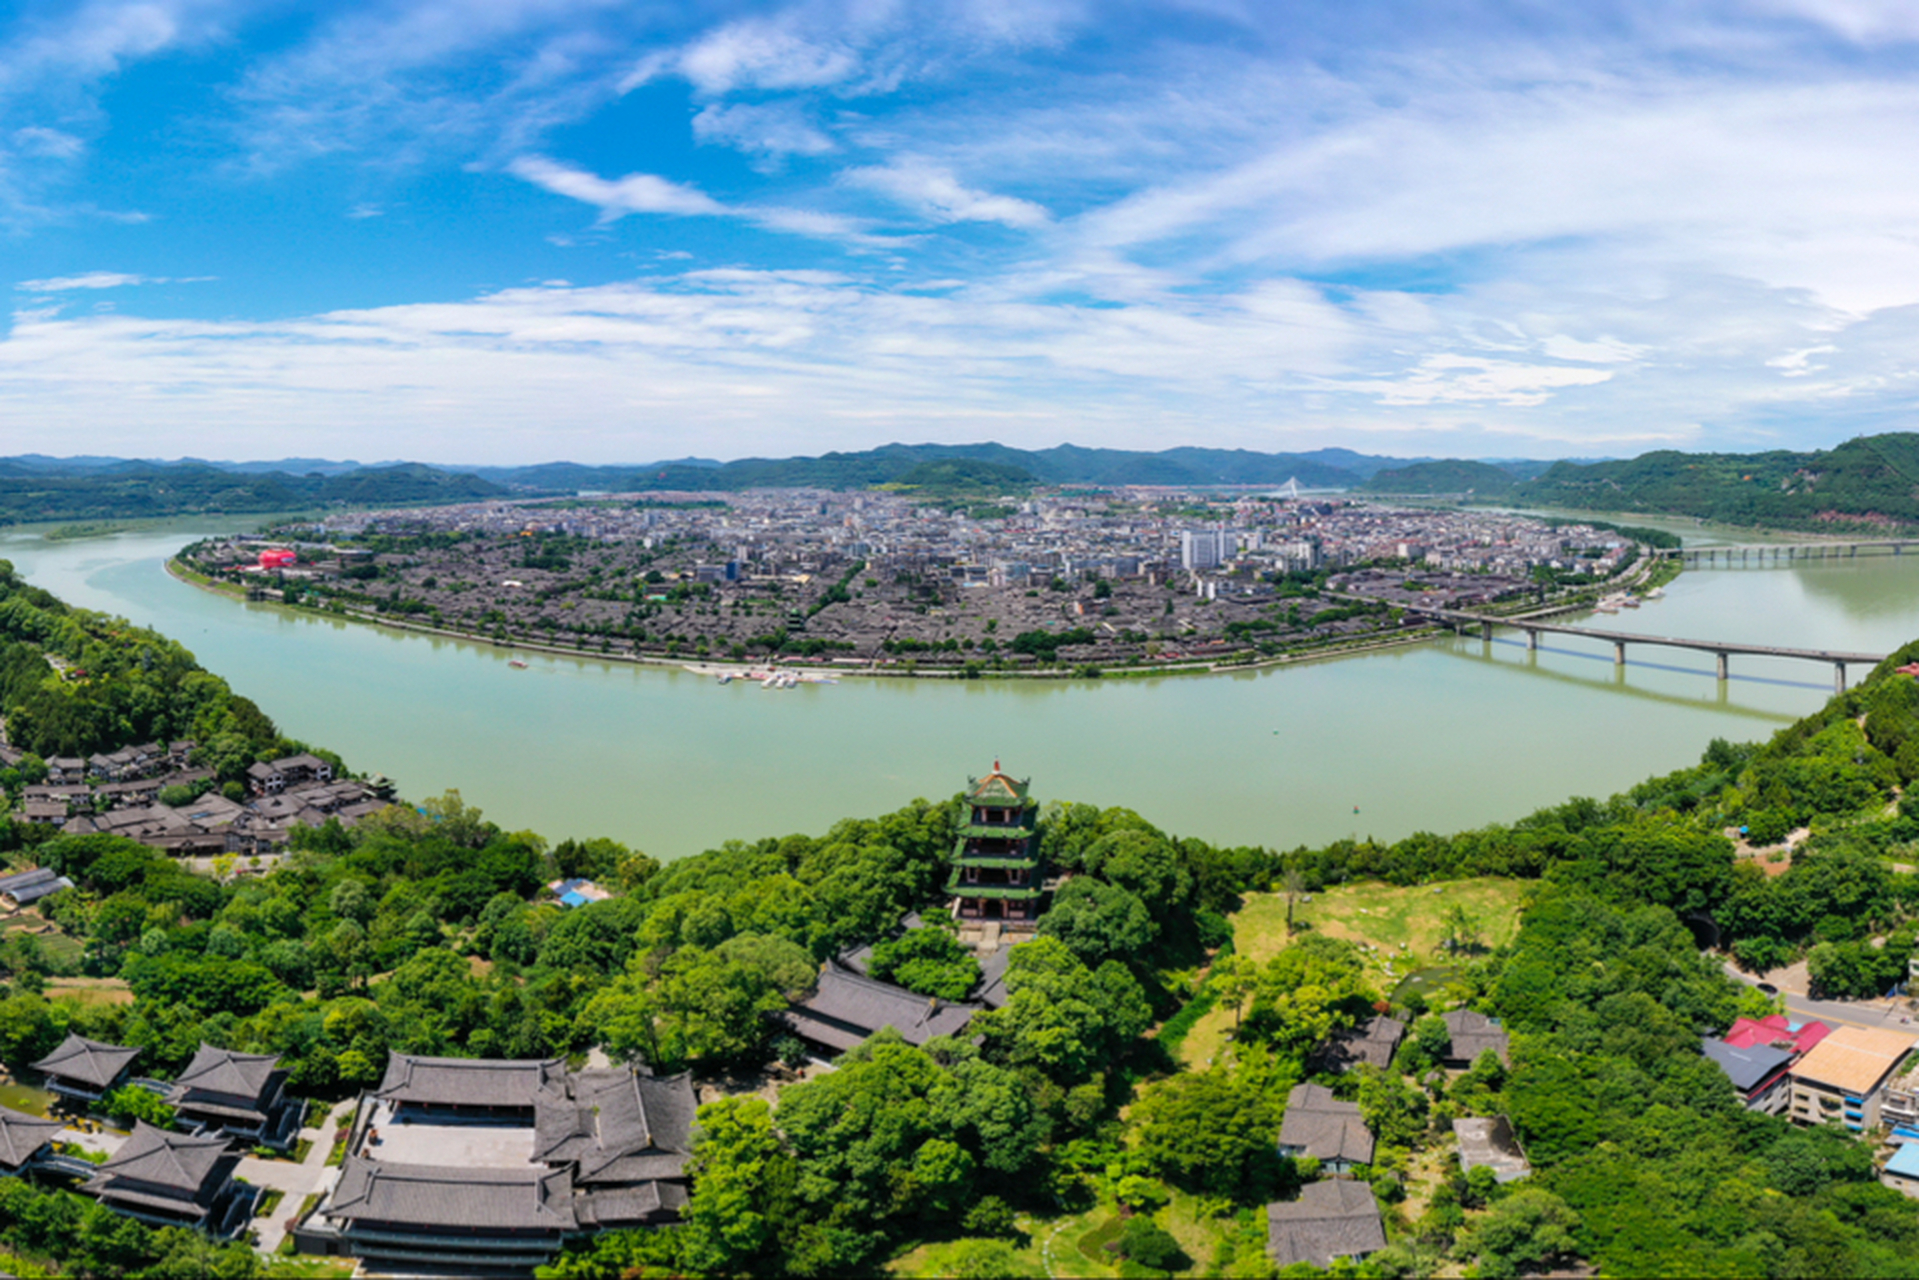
x=1868, y=483
x=1481, y=479
x=1071, y=1105
x=139, y=490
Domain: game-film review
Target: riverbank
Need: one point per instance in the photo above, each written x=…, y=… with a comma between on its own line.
x=908, y=668
x=1427, y=729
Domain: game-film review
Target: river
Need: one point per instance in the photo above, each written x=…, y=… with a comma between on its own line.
x=1441, y=736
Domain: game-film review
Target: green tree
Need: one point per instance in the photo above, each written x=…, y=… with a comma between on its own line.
x=1099, y=921
x=742, y=1187
x=1530, y=1230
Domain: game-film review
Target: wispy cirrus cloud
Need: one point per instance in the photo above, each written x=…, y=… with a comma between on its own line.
x=89, y=280
x=934, y=192
x=635, y=193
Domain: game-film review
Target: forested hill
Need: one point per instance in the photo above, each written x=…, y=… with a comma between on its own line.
x=895, y=463
x=1453, y=476
x=134, y=490
x=1872, y=481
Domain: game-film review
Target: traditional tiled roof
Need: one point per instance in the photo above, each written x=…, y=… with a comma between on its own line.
x=466, y=1082
x=1372, y=1042
x=846, y=1008
x=238, y=1075
x=998, y=789
x=1329, y=1220
x=88, y=1061
x=21, y=1135
x=1473, y=1034
x=1489, y=1143
x=1854, y=1059
x=616, y=1125
x=192, y=1168
x=628, y=1206
x=418, y=1195
x=1324, y=1127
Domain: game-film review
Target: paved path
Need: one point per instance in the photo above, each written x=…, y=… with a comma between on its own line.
x=298, y=1180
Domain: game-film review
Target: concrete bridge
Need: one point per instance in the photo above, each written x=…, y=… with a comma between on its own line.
x=1722, y=650
x=1771, y=553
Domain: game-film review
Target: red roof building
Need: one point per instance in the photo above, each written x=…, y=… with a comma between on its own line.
x=277, y=558
x=1775, y=1031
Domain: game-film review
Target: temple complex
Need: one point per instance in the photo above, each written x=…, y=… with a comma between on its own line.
x=998, y=874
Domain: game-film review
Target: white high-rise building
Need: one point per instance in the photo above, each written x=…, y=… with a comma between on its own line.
x=1204, y=548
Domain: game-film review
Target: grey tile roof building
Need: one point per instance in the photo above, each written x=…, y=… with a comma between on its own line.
x=23, y=1136
x=471, y=1083
x=846, y=1007
x=620, y=1133
x=1373, y=1042
x=241, y=1093
x=1472, y=1034
x=170, y=1178
x=1329, y=1220
x=432, y=1196
x=85, y=1068
x=1747, y=1068
x=1321, y=1126
x=603, y=1149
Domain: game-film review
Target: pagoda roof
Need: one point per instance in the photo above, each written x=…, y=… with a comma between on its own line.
x=954, y=886
x=1017, y=831
x=89, y=1061
x=976, y=858
x=998, y=788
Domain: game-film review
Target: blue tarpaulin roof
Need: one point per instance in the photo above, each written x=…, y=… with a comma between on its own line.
x=1905, y=1161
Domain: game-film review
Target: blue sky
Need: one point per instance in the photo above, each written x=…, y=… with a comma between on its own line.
x=518, y=230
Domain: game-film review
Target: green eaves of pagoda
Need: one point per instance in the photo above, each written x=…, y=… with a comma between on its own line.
x=991, y=891
x=996, y=833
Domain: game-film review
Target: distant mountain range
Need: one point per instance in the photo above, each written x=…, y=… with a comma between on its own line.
x=1872, y=481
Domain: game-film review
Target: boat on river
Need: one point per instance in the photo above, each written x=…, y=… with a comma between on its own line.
x=517, y=663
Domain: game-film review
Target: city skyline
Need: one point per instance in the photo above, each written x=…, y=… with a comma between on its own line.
x=508, y=231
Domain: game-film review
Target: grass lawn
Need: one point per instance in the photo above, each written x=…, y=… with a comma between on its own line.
x=1044, y=1237
x=1074, y=1245
x=1382, y=915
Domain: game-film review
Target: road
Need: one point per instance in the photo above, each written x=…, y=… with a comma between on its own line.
x=1853, y=1013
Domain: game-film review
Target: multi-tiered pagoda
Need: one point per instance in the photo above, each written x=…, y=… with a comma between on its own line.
x=997, y=871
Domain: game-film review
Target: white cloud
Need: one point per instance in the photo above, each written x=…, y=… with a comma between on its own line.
x=54, y=144
x=615, y=197
x=936, y=193
x=774, y=129
x=88, y=280
x=758, y=54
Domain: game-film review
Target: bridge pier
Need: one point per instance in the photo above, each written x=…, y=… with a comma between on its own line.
x=1619, y=653
x=1838, y=677
x=1532, y=640
x=1486, y=631
x=1722, y=666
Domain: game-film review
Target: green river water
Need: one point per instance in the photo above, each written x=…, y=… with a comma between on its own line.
x=1442, y=736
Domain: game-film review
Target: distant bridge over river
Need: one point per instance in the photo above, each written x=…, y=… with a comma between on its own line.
x=1773, y=553
x=1720, y=649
